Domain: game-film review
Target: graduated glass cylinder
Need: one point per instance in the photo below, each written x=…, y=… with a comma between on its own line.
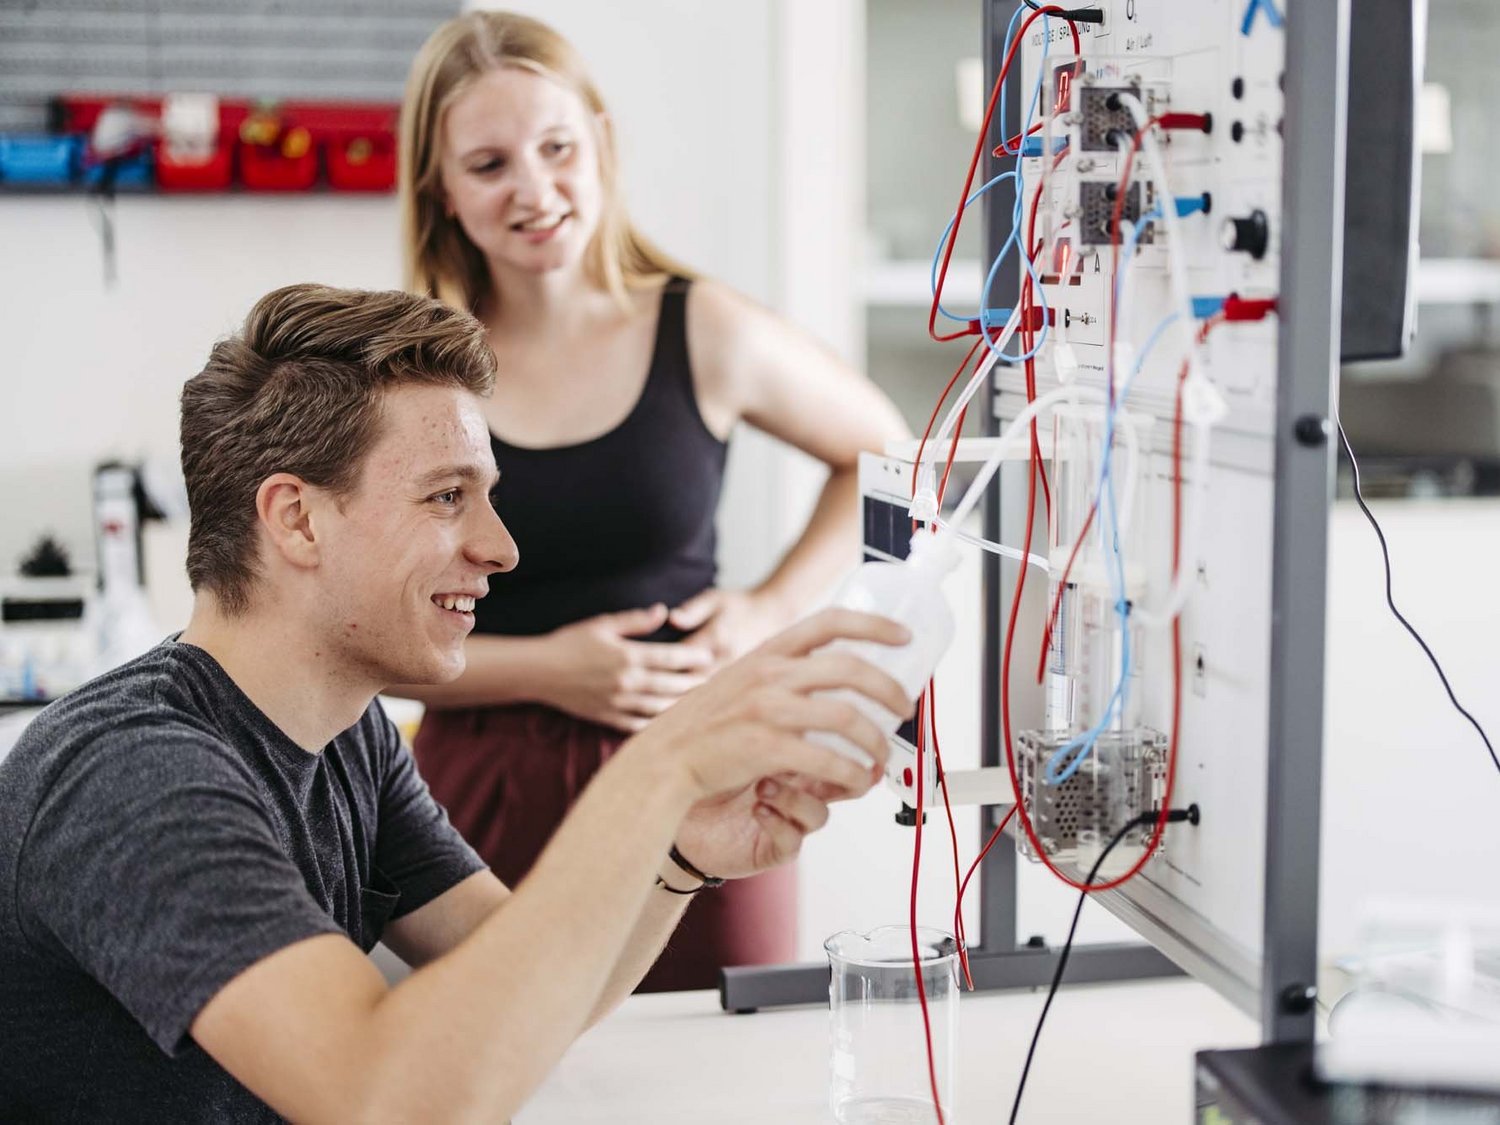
x=878, y=1066
x=1087, y=643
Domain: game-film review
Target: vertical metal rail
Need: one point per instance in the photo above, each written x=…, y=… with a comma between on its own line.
x=1317, y=39
x=997, y=876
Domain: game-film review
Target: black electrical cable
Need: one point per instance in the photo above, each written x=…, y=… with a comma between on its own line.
x=1144, y=820
x=1385, y=554
x=1076, y=15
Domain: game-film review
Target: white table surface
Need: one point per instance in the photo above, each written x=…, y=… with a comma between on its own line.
x=1117, y=1053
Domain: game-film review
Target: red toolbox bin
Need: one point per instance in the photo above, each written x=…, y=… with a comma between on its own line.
x=361, y=164
x=214, y=174
x=268, y=168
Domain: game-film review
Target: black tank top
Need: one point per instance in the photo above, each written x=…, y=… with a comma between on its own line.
x=622, y=521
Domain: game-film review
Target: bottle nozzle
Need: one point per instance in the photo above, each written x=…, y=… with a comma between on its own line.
x=933, y=551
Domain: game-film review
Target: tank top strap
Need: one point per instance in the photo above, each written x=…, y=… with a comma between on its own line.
x=671, y=373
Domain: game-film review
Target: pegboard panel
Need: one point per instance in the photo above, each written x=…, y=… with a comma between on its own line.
x=311, y=50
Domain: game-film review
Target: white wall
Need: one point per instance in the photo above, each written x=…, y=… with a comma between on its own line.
x=741, y=140
x=90, y=372
x=1409, y=792
x=727, y=165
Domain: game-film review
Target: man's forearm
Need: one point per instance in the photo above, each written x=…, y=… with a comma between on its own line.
x=474, y=1031
x=657, y=921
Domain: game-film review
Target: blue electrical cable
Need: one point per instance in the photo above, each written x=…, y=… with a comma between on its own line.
x=1273, y=17
x=1014, y=174
x=1077, y=750
x=1127, y=252
x=985, y=322
x=985, y=318
x=943, y=241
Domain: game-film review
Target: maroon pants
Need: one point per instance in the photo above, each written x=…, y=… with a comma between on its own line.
x=508, y=775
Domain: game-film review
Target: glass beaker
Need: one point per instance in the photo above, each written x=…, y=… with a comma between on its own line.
x=878, y=1069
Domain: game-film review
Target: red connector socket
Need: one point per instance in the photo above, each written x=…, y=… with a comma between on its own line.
x=1241, y=309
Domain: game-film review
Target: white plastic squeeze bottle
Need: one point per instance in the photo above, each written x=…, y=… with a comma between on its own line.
x=909, y=592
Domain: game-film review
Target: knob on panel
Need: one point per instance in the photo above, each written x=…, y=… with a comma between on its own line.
x=1250, y=235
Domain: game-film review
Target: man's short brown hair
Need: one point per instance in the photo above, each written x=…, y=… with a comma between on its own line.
x=298, y=390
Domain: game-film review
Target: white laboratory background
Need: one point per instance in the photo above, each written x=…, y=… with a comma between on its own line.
x=744, y=140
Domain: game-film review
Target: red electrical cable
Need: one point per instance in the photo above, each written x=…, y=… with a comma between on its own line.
x=1035, y=248
x=1173, y=738
x=995, y=835
x=916, y=952
x=942, y=776
x=1062, y=585
x=963, y=887
x=1116, y=219
x=1010, y=147
x=1242, y=309
x=932, y=421
x=958, y=428
x=984, y=128
x=1200, y=122
x=1036, y=469
x=1235, y=308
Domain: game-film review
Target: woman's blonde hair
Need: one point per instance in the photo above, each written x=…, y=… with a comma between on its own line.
x=440, y=260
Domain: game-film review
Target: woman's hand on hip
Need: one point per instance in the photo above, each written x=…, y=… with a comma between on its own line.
x=597, y=672
x=728, y=623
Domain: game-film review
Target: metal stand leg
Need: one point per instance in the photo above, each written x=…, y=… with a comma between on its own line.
x=749, y=988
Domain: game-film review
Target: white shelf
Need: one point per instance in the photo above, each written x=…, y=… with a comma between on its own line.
x=909, y=283
x=1440, y=281
x=1458, y=281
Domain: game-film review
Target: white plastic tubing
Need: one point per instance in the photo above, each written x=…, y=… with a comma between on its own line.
x=1197, y=389
x=1197, y=392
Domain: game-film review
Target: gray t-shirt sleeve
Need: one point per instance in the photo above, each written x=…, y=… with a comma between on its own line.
x=416, y=847
x=151, y=864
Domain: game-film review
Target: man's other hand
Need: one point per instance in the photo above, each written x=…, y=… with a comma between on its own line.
x=741, y=742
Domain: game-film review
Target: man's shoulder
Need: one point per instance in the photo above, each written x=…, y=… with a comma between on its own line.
x=142, y=703
x=165, y=682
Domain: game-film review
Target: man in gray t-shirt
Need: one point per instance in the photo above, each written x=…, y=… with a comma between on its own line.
x=162, y=835
x=197, y=849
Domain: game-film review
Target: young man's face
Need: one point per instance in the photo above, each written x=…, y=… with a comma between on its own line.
x=414, y=544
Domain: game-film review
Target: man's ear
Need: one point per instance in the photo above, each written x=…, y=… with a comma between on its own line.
x=284, y=506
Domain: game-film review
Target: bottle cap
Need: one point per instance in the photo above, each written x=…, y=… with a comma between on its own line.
x=932, y=551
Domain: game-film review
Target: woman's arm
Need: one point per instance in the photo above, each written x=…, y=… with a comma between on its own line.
x=591, y=668
x=499, y=670
x=750, y=364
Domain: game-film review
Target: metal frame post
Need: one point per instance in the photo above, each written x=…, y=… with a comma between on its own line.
x=1312, y=230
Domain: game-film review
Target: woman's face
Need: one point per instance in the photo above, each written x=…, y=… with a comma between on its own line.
x=520, y=170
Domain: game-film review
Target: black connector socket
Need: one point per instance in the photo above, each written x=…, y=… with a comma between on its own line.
x=907, y=816
x=1075, y=15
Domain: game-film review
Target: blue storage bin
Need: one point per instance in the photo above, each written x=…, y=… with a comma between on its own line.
x=39, y=159
x=137, y=172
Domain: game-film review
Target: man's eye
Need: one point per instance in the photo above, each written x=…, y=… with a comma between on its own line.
x=449, y=497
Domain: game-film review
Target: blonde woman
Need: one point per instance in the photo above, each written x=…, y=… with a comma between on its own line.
x=621, y=378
